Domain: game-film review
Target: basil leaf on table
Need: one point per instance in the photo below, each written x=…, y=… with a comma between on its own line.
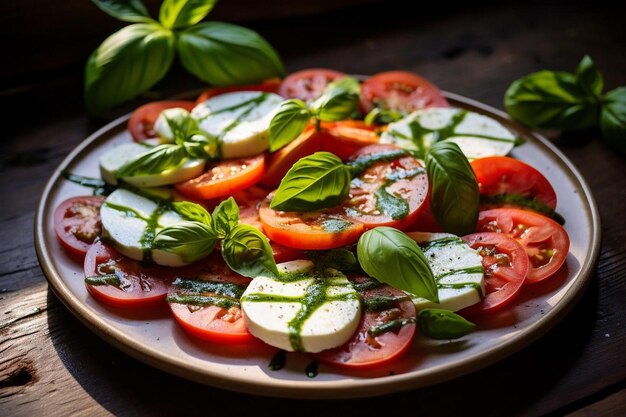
x=455, y=198
x=193, y=212
x=224, y=54
x=338, y=101
x=392, y=257
x=248, y=252
x=128, y=62
x=191, y=240
x=613, y=118
x=154, y=161
x=226, y=216
x=288, y=123
x=176, y=14
x=314, y=182
x=132, y=11
x=443, y=324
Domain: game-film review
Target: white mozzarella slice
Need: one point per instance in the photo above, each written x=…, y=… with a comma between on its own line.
x=117, y=157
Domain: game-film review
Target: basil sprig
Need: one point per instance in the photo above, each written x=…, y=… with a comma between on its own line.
x=338, y=101
x=136, y=57
x=225, y=217
x=443, y=324
x=565, y=101
x=392, y=257
x=455, y=198
x=193, y=212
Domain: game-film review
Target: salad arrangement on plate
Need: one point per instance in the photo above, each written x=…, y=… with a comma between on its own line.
x=317, y=214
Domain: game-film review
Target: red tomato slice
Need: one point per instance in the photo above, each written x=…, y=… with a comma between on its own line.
x=546, y=243
x=315, y=230
x=141, y=122
x=346, y=137
x=77, y=223
x=503, y=175
x=401, y=91
x=426, y=221
x=224, y=177
x=308, y=84
x=390, y=192
x=142, y=285
x=506, y=266
x=282, y=160
x=268, y=86
x=366, y=351
x=212, y=323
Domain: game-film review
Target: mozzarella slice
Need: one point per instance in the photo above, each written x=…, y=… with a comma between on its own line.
x=241, y=121
x=478, y=136
x=162, y=128
x=457, y=269
x=302, y=311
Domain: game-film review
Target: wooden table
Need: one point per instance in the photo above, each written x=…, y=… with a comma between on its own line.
x=50, y=364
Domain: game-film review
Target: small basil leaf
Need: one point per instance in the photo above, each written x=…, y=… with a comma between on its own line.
x=589, y=78
x=172, y=120
x=248, y=252
x=189, y=240
x=193, y=212
x=382, y=116
x=154, y=161
x=314, y=182
x=202, y=146
x=132, y=11
x=128, y=62
x=226, y=216
x=339, y=100
x=224, y=54
x=392, y=257
x=455, y=198
x=288, y=123
x=176, y=14
x=613, y=118
x=443, y=324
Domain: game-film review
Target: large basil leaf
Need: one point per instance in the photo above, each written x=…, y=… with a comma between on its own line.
x=176, y=14
x=154, y=161
x=392, y=257
x=248, y=252
x=128, y=62
x=288, y=123
x=224, y=54
x=589, y=78
x=443, y=324
x=314, y=182
x=132, y=11
x=193, y=212
x=455, y=197
x=226, y=216
x=339, y=100
x=613, y=118
x=190, y=240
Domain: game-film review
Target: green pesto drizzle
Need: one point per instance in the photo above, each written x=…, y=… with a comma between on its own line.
x=204, y=300
x=311, y=369
x=278, y=361
x=448, y=130
x=382, y=302
x=109, y=279
x=401, y=174
x=441, y=242
x=367, y=285
x=389, y=204
x=335, y=225
x=256, y=100
x=392, y=325
x=478, y=269
x=196, y=286
x=486, y=137
x=523, y=201
x=363, y=162
x=152, y=223
x=126, y=211
x=463, y=285
x=99, y=186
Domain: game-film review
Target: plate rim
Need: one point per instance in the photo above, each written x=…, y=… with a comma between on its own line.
x=323, y=389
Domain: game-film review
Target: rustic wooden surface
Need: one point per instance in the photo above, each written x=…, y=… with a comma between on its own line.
x=50, y=364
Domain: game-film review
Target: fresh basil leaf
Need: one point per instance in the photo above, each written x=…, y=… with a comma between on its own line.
x=288, y=123
x=154, y=161
x=248, y=252
x=177, y=14
x=179, y=123
x=132, y=11
x=224, y=54
x=381, y=116
x=613, y=118
x=392, y=257
x=191, y=240
x=338, y=101
x=127, y=63
x=589, y=78
x=202, y=146
x=340, y=259
x=455, y=198
x=162, y=125
x=226, y=216
x=193, y=212
x=443, y=324
x=314, y=182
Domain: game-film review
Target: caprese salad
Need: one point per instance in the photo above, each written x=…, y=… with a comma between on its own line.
x=317, y=214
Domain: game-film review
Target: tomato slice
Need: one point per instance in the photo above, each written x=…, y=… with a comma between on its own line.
x=141, y=285
x=314, y=230
x=346, y=137
x=224, y=177
x=506, y=266
x=390, y=192
x=308, y=84
x=268, y=86
x=384, y=305
x=77, y=223
x=401, y=91
x=194, y=297
x=141, y=122
x=499, y=175
x=546, y=243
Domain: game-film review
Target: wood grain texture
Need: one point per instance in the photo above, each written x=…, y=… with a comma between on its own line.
x=51, y=364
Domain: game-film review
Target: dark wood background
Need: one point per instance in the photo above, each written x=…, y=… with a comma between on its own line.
x=50, y=364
